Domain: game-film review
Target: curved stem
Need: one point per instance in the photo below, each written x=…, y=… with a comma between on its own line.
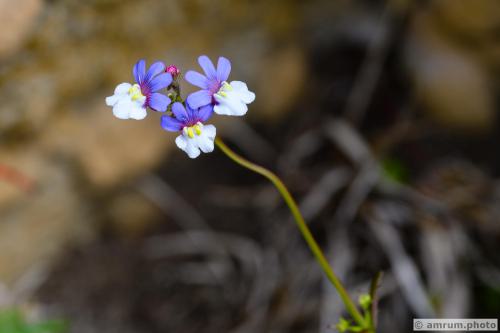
x=304, y=229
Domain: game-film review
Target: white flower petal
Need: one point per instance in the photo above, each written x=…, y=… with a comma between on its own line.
x=205, y=141
x=122, y=88
x=181, y=142
x=123, y=105
x=125, y=108
x=137, y=111
x=121, y=109
x=187, y=145
x=241, y=88
x=222, y=109
x=210, y=131
x=121, y=91
x=230, y=105
x=112, y=100
x=232, y=99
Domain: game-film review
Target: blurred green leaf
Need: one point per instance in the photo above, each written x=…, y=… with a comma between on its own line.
x=343, y=325
x=395, y=170
x=13, y=321
x=489, y=300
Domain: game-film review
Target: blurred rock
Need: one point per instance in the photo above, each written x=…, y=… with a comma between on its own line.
x=284, y=82
x=470, y=20
x=17, y=21
x=473, y=24
x=35, y=227
x=26, y=164
x=132, y=213
x=451, y=83
x=53, y=91
x=28, y=99
x=109, y=150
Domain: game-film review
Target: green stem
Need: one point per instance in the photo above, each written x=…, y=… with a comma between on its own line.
x=304, y=229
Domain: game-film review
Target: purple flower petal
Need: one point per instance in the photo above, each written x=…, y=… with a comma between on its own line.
x=204, y=113
x=196, y=79
x=160, y=82
x=171, y=124
x=199, y=99
x=180, y=112
x=139, y=71
x=208, y=66
x=155, y=69
x=223, y=69
x=192, y=114
x=159, y=102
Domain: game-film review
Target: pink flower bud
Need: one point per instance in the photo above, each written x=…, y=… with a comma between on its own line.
x=173, y=70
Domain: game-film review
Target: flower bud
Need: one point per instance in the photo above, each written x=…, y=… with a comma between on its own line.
x=173, y=70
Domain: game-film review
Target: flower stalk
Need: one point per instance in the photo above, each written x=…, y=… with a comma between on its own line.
x=188, y=117
x=304, y=229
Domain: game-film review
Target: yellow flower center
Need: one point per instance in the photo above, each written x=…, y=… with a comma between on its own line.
x=193, y=130
x=136, y=93
x=225, y=87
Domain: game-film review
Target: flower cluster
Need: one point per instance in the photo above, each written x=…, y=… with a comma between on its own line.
x=187, y=117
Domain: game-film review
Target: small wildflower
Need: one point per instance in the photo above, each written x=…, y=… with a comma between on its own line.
x=226, y=98
x=195, y=136
x=130, y=101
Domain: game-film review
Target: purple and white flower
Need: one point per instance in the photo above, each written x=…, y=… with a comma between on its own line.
x=195, y=135
x=130, y=101
x=226, y=98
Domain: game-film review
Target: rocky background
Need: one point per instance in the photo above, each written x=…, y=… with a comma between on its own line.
x=380, y=115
